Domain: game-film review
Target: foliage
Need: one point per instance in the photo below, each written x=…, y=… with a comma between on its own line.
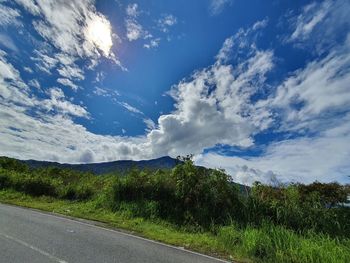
x=187, y=195
x=53, y=182
x=301, y=207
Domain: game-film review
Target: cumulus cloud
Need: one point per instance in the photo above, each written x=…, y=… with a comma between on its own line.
x=214, y=106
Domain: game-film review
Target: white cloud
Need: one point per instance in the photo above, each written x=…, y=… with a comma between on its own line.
x=134, y=30
x=68, y=83
x=320, y=24
x=132, y=10
x=237, y=46
x=43, y=61
x=149, y=123
x=48, y=132
x=316, y=93
x=130, y=108
x=34, y=83
x=60, y=105
x=7, y=42
x=28, y=69
x=29, y=5
x=104, y=92
x=74, y=28
x=214, y=107
x=58, y=138
x=9, y=16
x=152, y=44
x=71, y=72
x=166, y=21
x=217, y=6
x=312, y=15
x=100, y=92
x=323, y=158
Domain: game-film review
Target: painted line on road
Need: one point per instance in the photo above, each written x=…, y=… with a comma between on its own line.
x=42, y=252
x=78, y=221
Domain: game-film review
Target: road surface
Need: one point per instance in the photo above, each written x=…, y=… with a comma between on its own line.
x=31, y=236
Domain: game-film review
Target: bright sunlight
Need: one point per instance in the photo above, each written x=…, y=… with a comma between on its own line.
x=98, y=33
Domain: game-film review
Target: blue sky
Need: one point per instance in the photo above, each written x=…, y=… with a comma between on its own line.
x=259, y=88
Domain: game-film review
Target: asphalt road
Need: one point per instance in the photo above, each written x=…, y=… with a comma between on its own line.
x=31, y=236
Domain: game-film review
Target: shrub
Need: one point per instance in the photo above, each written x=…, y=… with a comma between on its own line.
x=187, y=195
x=36, y=187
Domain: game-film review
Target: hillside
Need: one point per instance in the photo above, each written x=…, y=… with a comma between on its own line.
x=122, y=166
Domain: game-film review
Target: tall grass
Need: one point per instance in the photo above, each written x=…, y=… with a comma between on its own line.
x=270, y=243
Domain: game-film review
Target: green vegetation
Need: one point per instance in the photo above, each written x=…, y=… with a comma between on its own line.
x=197, y=208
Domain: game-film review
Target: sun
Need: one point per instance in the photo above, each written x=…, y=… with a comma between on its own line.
x=99, y=33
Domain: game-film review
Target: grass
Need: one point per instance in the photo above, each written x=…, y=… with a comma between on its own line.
x=267, y=243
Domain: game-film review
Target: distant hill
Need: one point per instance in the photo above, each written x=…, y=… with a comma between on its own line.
x=108, y=167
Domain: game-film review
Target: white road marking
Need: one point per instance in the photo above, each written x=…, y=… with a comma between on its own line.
x=33, y=248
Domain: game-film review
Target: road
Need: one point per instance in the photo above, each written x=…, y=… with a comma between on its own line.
x=31, y=236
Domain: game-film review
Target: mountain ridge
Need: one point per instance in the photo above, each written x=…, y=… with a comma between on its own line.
x=165, y=162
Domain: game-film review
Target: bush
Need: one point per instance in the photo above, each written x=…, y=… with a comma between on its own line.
x=13, y=165
x=36, y=187
x=299, y=208
x=187, y=195
x=5, y=181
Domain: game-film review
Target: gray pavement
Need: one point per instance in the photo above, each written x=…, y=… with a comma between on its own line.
x=31, y=236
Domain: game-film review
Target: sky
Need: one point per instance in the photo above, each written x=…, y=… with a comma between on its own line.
x=258, y=88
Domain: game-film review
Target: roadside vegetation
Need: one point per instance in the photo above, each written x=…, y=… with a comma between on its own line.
x=197, y=208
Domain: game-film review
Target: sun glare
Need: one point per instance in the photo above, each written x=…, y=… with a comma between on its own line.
x=99, y=33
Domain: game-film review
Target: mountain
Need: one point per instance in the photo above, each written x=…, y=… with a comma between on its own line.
x=165, y=162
